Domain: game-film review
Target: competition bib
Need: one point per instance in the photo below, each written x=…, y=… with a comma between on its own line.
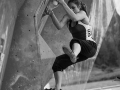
x=88, y=31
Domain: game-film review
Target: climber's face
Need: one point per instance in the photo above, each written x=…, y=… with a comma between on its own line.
x=74, y=7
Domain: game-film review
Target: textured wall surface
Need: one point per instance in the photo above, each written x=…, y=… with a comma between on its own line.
x=109, y=55
x=8, y=14
x=25, y=70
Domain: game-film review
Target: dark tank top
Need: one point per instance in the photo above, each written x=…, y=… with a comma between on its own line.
x=77, y=31
x=80, y=31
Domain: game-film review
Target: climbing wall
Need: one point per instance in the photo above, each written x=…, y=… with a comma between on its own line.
x=27, y=65
x=31, y=42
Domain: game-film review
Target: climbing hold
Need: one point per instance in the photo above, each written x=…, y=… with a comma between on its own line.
x=55, y=2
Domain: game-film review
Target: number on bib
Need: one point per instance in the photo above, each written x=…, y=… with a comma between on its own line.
x=89, y=33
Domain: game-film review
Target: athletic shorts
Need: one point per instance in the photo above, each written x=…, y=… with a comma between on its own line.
x=88, y=49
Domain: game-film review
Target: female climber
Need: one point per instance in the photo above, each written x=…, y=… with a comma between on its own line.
x=82, y=46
